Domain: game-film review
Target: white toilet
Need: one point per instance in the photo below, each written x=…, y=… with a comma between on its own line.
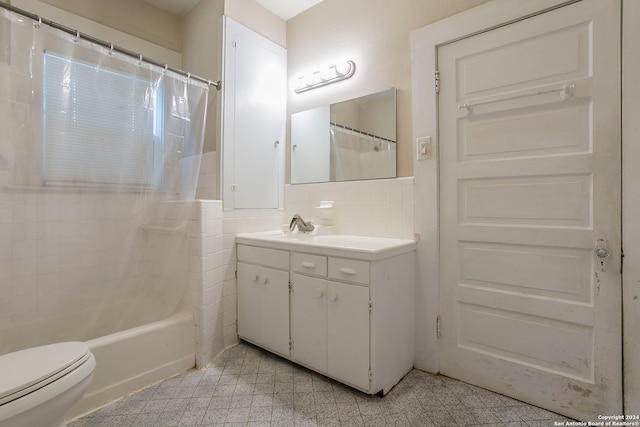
x=38, y=385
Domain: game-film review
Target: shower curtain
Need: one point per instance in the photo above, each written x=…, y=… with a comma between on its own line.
x=355, y=155
x=99, y=156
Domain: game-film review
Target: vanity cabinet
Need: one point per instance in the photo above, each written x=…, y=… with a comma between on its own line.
x=347, y=314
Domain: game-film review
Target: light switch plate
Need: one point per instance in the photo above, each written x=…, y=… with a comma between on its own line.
x=424, y=148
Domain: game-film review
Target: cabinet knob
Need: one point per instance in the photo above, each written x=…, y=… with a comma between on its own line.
x=333, y=295
x=256, y=278
x=319, y=292
x=265, y=280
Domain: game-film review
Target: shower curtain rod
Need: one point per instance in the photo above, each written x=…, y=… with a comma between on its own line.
x=110, y=46
x=361, y=132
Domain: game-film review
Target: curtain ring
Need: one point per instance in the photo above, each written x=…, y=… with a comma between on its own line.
x=77, y=37
x=111, y=49
x=166, y=67
x=37, y=24
x=140, y=59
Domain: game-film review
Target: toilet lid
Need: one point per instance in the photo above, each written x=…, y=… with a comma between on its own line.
x=27, y=370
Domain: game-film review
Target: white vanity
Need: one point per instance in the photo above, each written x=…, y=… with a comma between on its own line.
x=340, y=305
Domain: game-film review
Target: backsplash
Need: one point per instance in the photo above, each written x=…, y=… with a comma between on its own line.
x=378, y=208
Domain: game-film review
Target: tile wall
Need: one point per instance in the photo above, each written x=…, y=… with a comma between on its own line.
x=204, y=295
x=378, y=208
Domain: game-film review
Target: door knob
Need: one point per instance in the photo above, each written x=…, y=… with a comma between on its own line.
x=602, y=253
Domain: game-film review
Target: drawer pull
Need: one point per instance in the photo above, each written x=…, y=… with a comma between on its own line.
x=333, y=295
x=256, y=278
x=307, y=264
x=348, y=271
x=319, y=292
x=265, y=280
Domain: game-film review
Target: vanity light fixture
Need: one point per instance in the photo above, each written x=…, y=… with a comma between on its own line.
x=332, y=74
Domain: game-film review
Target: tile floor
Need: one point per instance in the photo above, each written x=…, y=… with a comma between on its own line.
x=246, y=386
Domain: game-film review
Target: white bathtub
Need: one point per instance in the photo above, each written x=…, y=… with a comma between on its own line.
x=135, y=358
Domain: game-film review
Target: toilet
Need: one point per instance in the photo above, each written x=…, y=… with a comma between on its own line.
x=38, y=385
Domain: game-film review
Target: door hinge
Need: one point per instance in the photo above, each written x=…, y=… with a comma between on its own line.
x=370, y=374
x=437, y=81
x=370, y=305
x=290, y=287
x=234, y=43
x=290, y=344
x=236, y=274
x=438, y=326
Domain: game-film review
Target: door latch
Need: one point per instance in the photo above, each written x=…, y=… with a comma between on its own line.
x=602, y=253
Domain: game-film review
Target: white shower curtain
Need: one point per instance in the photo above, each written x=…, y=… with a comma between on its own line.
x=355, y=155
x=98, y=155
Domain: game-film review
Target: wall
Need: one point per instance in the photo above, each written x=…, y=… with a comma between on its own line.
x=379, y=208
x=204, y=296
x=104, y=32
x=254, y=16
x=201, y=55
x=375, y=35
x=138, y=18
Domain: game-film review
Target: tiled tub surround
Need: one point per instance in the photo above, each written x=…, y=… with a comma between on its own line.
x=204, y=297
x=66, y=251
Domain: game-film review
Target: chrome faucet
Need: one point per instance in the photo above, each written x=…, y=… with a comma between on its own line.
x=301, y=224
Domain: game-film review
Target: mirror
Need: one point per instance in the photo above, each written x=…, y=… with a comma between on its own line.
x=349, y=140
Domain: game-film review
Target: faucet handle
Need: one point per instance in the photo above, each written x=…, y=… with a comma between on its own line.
x=294, y=221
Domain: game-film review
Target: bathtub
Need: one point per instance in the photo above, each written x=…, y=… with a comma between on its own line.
x=130, y=360
x=133, y=349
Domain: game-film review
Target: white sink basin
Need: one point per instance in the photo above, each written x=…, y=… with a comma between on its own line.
x=343, y=242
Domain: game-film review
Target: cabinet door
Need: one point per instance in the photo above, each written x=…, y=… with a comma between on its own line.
x=309, y=321
x=263, y=307
x=274, y=310
x=249, y=302
x=348, y=333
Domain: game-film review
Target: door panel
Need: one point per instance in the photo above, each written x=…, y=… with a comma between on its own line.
x=263, y=307
x=249, y=302
x=274, y=310
x=309, y=322
x=348, y=333
x=529, y=135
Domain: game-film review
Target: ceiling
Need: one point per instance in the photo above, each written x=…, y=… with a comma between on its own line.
x=286, y=9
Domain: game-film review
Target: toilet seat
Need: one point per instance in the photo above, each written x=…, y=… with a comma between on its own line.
x=28, y=370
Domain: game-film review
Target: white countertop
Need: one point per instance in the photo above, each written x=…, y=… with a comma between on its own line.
x=361, y=247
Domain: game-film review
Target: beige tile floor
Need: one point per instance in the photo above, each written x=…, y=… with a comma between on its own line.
x=247, y=386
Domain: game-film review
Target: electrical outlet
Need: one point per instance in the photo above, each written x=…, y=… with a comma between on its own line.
x=423, y=148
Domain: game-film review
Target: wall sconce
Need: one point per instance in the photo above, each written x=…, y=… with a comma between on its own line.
x=332, y=74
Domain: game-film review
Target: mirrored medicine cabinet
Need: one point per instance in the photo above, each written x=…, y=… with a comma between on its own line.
x=349, y=140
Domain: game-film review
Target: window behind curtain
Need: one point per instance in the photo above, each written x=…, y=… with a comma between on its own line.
x=101, y=127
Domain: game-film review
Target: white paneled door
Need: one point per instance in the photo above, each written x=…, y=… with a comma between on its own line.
x=529, y=122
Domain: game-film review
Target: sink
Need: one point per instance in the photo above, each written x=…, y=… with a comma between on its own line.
x=344, y=242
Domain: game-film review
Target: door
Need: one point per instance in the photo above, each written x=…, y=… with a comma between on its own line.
x=348, y=333
x=529, y=128
x=309, y=321
x=254, y=122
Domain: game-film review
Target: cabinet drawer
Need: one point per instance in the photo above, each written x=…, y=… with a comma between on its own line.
x=349, y=270
x=309, y=264
x=264, y=256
